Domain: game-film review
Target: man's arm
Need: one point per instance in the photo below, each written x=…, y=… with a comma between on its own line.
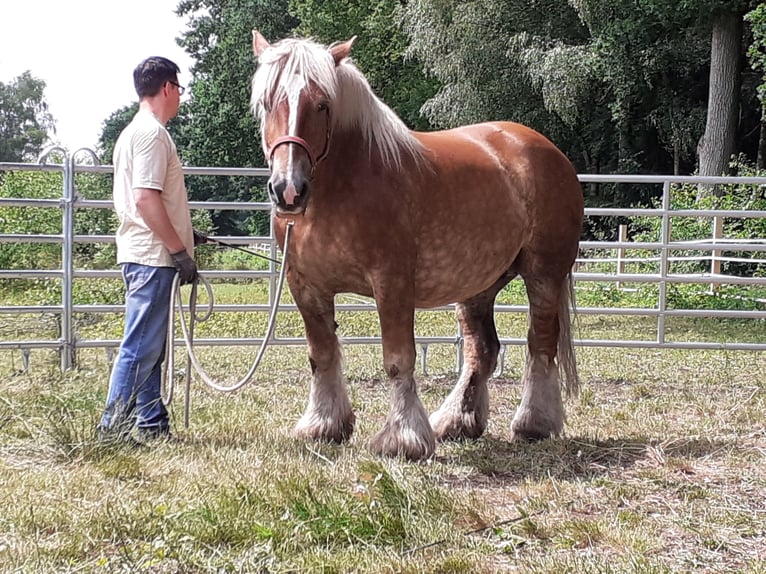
x=151, y=208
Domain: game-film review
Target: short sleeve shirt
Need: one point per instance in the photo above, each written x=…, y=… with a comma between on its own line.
x=145, y=156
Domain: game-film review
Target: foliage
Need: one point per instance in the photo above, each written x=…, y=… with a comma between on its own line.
x=94, y=222
x=756, y=52
x=733, y=197
x=112, y=128
x=216, y=127
x=25, y=123
x=48, y=221
x=620, y=86
x=473, y=49
x=380, y=50
x=25, y=220
x=225, y=258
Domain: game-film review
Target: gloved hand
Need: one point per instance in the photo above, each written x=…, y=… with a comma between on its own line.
x=187, y=268
x=199, y=237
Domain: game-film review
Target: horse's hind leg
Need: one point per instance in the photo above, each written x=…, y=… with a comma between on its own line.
x=541, y=412
x=328, y=415
x=464, y=413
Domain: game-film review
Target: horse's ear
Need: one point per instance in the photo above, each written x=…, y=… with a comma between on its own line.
x=341, y=51
x=259, y=43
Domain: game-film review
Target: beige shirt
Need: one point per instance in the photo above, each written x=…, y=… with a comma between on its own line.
x=145, y=156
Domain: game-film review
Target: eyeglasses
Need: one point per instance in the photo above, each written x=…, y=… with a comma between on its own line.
x=181, y=89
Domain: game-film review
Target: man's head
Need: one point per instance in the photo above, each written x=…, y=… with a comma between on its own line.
x=153, y=74
x=156, y=82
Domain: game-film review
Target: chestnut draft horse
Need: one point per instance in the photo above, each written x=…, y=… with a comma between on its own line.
x=415, y=220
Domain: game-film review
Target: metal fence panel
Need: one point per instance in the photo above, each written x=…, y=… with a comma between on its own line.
x=614, y=266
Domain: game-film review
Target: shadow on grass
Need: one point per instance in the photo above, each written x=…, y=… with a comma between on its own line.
x=568, y=458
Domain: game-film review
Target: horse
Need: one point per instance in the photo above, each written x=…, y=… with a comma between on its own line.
x=415, y=220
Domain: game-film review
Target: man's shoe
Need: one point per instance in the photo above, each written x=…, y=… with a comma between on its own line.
x=112, y=437
x=154, y=434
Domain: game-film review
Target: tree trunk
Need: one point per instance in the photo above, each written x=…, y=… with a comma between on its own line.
x=717, y=144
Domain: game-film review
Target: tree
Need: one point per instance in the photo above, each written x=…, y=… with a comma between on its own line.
x=756, y=54
x=380, y=50
x=218, y=128
x=111, y=129
x=25, y=122
x=717, y=144
x=645, y=67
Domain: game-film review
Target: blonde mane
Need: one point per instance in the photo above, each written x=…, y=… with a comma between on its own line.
x=354, y=104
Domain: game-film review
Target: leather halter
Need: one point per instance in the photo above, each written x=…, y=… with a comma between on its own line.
x=299, y=141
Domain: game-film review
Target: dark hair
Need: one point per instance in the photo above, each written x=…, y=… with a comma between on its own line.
x=151, y=74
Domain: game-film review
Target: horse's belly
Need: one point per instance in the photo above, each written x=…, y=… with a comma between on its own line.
x=457, y=276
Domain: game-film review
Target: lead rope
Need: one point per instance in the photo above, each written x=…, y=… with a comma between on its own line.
x=188, y=334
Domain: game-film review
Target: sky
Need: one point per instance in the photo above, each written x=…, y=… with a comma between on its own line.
x=85, y=51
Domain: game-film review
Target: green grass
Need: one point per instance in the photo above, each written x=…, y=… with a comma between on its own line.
x=660, y=468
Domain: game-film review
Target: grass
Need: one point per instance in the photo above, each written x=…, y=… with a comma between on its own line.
x=660, y=469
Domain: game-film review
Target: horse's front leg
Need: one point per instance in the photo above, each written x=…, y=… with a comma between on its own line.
x=328, y=415
x=406, y=432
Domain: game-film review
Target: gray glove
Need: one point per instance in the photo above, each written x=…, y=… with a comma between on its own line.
x=187, y=268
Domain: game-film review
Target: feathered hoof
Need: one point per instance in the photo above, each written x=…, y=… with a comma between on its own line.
x=528, y=425
x=325, y=430
x=456, y=426
x=395, y=442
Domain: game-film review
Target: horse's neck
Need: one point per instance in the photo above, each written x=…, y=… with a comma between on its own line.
x=349, y=148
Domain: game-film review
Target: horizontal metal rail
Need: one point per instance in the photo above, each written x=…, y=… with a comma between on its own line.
x=419, y=341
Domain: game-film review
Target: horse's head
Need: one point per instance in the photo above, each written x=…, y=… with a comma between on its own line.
x=294, y=91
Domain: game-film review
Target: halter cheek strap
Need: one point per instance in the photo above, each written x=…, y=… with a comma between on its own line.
x=313, y=160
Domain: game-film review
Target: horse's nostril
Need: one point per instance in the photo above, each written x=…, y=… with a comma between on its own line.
x=275, y=190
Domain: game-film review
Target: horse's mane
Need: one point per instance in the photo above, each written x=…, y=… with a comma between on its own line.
x=355, y=105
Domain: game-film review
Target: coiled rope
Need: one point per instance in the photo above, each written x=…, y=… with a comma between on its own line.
x=188, y=336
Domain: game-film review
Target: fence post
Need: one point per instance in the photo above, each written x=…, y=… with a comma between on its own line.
x=67, y=279
x=67, y=226
x=622, y=237
x=664, y=263
x=715, y=261
x=68, y=343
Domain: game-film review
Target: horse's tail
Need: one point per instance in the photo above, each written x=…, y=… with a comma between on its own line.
x=566, y=351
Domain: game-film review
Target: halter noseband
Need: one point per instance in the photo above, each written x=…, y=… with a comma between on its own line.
x=313, y=160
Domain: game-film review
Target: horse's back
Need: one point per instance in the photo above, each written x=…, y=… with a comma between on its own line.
x=512, y=169
x=510, y=145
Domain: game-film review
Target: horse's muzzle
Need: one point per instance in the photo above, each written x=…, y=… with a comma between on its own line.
x=289, y=196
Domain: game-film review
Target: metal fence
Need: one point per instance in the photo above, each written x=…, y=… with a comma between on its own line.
x=611, y=263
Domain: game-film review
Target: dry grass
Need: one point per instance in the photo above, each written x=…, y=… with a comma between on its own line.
x=661, y=469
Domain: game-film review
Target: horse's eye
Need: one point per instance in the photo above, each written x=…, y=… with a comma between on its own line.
x=322, y=106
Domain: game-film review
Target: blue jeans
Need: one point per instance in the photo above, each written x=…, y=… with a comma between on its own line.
x=134, y=397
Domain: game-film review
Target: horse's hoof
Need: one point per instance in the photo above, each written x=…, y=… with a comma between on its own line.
x=455, y=428
x=325, y=431
x=527, y=435
x=396, y=445
x=527, y=427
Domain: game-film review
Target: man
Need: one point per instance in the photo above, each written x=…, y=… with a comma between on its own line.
x=155, y=240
